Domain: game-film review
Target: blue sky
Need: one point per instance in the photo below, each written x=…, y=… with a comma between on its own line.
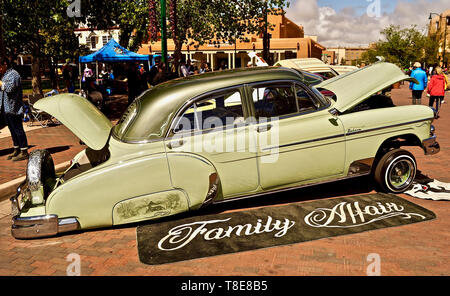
x=352, y=23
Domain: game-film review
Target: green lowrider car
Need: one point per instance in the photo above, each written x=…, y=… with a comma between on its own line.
x=217, y=137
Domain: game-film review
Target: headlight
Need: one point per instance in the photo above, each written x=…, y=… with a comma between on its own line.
x=432, y=129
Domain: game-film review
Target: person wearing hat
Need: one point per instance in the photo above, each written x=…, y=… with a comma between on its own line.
x=417, y=89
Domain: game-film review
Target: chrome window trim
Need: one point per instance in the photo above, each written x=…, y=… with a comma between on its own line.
x=240, y=88
x=298, y=113
x=133, y=119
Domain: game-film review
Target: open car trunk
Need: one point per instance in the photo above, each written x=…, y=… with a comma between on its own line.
x=80, y=116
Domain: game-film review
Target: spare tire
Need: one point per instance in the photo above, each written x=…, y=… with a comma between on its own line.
x=40, y=174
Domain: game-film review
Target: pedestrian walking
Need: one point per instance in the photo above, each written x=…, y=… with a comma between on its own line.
x=417, y=89
x=11, y=106
x=436, y=89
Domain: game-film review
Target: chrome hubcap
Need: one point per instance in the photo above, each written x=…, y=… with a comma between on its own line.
x=401, y=174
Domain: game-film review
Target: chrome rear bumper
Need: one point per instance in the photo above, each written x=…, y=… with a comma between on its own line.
x=38, y=226
x=41, y=226
x=431, y=146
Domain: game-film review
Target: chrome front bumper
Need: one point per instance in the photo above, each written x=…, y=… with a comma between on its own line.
x=38, y=226
x=431, y=146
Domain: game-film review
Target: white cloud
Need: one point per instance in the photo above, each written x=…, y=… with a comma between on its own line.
x=346, y=28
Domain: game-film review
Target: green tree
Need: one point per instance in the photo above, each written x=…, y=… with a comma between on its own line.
x=131, y=16
x=224, y=21
x=42, y=29
x=403, y=47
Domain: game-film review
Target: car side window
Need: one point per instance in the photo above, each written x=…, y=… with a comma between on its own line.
x=212, y=111
x=273, y=100
x=305, y=101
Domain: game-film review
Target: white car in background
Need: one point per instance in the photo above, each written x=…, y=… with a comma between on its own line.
x=341, y=69
x=311, y=65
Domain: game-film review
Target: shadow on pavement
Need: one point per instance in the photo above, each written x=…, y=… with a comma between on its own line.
x=54, y=150
x=361, y=185
x=4, y=152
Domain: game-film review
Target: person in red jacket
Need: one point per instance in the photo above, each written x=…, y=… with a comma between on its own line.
x=436, y=89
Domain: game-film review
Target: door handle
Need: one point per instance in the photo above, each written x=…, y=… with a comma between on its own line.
x=264, y=128
x=175, y=144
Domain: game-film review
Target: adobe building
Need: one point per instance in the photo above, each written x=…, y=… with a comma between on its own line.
x=329, y=57
x=350, y=56
x=288, y=41
x=440, y=24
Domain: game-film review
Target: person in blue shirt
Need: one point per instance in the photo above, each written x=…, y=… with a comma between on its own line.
x=417, y=89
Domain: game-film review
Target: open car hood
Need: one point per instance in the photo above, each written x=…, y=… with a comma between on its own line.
x=80, y=116
x=357, y=86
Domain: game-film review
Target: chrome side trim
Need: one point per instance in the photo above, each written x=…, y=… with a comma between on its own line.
x=344, y=135
x=68, y=224
x=387, y=126
x=213, y=189
x=431, y=146
x=306, y=142
x=361, y=167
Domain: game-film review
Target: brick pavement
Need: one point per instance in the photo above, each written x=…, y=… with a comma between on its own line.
x=416, y=249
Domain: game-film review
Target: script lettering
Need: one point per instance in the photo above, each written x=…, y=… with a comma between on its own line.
x=181, y=235
x=346, y=214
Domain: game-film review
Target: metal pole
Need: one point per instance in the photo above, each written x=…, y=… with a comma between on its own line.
x=445, y=40
x=265, y=36
x=163, y=33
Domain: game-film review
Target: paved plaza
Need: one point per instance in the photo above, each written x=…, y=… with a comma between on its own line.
x=416, y=249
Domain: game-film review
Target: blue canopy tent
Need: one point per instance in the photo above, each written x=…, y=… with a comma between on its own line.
x=112, y=52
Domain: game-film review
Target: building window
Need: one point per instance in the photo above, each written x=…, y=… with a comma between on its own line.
x=106, y=39
x=91, y=42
